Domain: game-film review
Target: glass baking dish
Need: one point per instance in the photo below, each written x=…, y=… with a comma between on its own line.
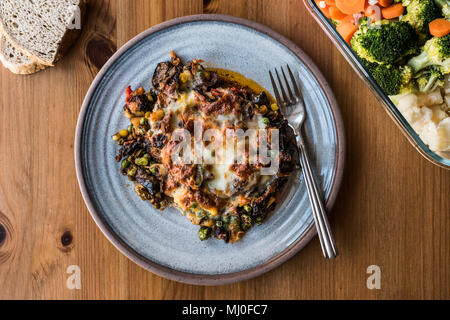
x=388, y=105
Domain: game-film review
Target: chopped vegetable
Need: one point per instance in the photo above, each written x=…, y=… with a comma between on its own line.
x=204, y=233
x=125, y=163
x=419, y=14
x=128, y=92
x=436, y=52
x=392, y=79
x=123, y=133
x=337, y=14
x=444, y=5
x=346, y=30
x=388, y=42
x=141, y=161
x=385, y=3
x=246, y=222
x=350, y=6
x=263, y=109
x=429, y=80
x=439, y=28
x=259, y=220
x=132, y=171
x=393, y=11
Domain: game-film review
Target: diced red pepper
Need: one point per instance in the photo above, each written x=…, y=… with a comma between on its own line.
x=128, y=92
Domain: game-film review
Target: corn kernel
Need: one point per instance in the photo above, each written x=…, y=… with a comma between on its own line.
x=185, y=76
x=213, y=211
x=274, y=107
x=136, y=121
x=123, y=133
x=157, y=115
x=208, y=223
x=139, y=91
x=182, y=98
x=263, y=109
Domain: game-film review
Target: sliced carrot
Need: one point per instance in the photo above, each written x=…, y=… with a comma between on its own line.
x=385, y=3
x=393, y=11
x=326, y=11
x=346, y=30
x=337, y=14
x=331, y=3
x=439, y=27
x=349, y=19
x=350, y=6
x=323, y=7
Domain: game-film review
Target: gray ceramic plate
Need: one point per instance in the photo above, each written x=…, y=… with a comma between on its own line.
x=166, y=243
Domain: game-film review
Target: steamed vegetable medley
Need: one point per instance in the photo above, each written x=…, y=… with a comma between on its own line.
x=405, y=46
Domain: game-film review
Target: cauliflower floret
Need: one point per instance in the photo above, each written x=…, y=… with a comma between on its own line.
x=430, y=99
x=443, y=131
x=428, y=115
x=438, y=113
x=447, y=84
x=407, y=101
x=447, y=99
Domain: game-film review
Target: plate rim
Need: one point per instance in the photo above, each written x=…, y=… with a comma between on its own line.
x=212, y=279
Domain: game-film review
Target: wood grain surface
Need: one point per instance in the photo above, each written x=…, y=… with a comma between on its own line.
x=393, y=209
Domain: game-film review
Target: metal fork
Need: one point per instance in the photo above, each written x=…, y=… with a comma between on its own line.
x=292, y=105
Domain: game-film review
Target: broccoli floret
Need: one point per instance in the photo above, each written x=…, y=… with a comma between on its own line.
x=435, y=52
x=446, y=11
x=429, y=80
x=444, y=5
x=384, y=41
x=392, y=79
x=419, y=14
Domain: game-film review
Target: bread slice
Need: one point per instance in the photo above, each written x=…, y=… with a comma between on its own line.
x=41, y=29
x=15, y=60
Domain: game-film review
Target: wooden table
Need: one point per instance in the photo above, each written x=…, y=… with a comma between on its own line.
x=393, y=210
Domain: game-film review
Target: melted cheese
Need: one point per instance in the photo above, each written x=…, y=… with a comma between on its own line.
x=178, y=195
x=218, y=157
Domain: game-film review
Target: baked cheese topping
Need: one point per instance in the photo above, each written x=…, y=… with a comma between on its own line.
x=193, y=144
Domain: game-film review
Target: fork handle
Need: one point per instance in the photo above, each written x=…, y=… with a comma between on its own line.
x=320, y=217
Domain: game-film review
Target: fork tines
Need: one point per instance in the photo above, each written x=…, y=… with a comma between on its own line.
x=293, y=89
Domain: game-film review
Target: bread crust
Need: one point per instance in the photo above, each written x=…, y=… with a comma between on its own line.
x=24, y=68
